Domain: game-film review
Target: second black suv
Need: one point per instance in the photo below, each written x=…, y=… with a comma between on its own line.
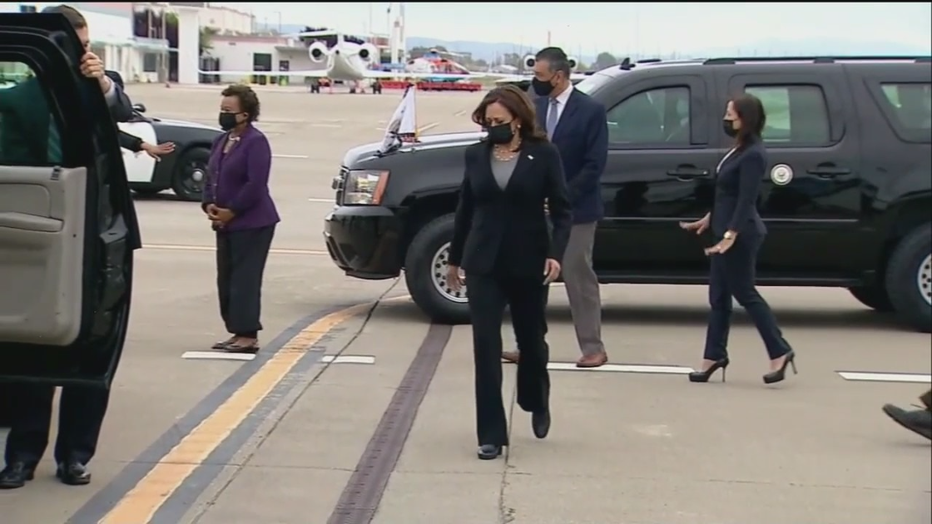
x=847, y=198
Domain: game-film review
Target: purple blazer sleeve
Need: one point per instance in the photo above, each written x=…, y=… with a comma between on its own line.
x=258, y=166
x=208, y=196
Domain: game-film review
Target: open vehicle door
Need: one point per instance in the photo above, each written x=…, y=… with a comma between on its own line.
x=67, y=224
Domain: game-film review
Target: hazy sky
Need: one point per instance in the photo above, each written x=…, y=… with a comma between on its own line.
x=647, y=27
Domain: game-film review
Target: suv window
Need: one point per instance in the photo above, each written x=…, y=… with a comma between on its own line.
x=29, y=135
x=911, y=107
x=796, y=114
x=657, y=117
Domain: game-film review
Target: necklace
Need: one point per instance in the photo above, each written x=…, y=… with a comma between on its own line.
x=504, y=154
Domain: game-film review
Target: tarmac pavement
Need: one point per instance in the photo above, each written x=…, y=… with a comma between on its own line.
x=288, y=437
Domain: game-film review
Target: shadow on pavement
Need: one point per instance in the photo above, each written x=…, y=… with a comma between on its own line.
x=690, y=316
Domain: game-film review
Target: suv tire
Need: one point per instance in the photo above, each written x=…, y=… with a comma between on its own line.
x=908, y=278
x=874, y=297
x=424, y=279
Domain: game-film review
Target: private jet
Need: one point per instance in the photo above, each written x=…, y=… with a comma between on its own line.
x=524, y=79
x=348, y=62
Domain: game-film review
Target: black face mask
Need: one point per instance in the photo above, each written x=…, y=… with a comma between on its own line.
x=541, y=87
x=227, y=121
x=501, y=134
x=729, y=127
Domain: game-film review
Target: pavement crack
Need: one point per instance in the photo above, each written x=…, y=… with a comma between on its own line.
x=507, y=514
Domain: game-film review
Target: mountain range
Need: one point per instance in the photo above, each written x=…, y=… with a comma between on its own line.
x=803, y=47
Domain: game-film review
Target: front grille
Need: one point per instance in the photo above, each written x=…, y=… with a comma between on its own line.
x=338, y=185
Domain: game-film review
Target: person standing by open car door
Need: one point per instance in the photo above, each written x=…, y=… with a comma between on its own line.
x=67, y=212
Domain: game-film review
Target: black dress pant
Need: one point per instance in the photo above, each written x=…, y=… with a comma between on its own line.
x=81, y=413
x=241, y=257
x=488, y=296
x=733, y=275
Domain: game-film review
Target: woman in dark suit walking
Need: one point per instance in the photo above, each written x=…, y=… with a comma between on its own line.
x=739, y=232
x=501, y=241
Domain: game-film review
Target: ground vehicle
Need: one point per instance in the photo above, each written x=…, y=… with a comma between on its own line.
x=848, y=199
x=68, y=228
x=184, y=171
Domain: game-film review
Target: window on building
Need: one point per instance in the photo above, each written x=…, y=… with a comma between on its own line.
x=911, y=107
x=29, y=135
x=796, y=114
x=658, y=117
x=150, y=63
x=27, y=8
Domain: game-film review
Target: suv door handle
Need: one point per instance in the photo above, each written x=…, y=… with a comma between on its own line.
x=828, y=171
x=687, y=172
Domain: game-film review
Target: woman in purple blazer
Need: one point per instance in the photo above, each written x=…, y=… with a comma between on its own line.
x=241, y=211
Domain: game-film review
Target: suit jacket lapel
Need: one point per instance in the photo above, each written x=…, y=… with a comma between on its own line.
x=571, y=106
x=525, y=160
x=541, y=104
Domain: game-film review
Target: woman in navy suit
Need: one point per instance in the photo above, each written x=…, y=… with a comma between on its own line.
x=739, y=232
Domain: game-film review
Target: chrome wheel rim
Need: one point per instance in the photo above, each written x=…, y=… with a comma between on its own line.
x=438, y=276
x=924, y=279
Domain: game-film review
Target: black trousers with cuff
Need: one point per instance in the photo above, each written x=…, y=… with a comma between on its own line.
x=241, y=258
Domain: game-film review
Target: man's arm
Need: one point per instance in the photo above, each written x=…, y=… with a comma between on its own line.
x=128, y=141
x=595, y=156
x=121, y=107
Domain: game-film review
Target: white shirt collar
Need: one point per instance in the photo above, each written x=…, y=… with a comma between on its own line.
x=563, y=97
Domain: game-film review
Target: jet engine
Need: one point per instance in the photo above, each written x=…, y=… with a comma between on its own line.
x=369, y=53
x=529, y=62
x=318, y=52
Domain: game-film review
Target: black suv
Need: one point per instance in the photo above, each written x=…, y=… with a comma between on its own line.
x=847, y=198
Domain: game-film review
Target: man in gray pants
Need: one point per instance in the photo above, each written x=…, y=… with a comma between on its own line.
x=577, y=125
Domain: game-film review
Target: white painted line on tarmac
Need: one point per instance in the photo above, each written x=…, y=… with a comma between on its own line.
x=217, y=355
x=300, y=157
x=623, y=368
x=329, y=126
x=348, y=359
x=869, y=376
x=461, y=112
x=427, y=127
x=273, y=251
x=323, y=200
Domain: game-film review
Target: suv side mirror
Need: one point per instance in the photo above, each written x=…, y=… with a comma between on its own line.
x=139, y=108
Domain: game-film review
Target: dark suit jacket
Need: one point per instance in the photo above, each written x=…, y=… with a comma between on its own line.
x=582, y=139
x=737, y=188
x=127, y=141
x=505, y=231
x=122, y=108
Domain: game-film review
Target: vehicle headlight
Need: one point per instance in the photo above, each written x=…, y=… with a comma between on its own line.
x=364, y=187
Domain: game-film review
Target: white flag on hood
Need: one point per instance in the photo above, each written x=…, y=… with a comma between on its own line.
x=402, y=128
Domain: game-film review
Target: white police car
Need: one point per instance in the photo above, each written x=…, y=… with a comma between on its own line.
x=184, y=171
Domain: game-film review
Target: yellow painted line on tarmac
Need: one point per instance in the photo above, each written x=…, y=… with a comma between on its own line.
x=141, y=503
x=273, y=251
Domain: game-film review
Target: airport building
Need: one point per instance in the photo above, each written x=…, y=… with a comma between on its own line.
x=170, y=41
x=140, y=39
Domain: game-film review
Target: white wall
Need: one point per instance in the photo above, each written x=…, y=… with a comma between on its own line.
x=236, y=54
x=225, y=19
x=111, y=36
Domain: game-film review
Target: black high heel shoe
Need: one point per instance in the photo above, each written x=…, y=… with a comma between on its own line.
x=704, y=376
x=777, y=376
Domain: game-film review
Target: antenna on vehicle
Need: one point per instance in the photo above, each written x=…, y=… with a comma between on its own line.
x=626, y=64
